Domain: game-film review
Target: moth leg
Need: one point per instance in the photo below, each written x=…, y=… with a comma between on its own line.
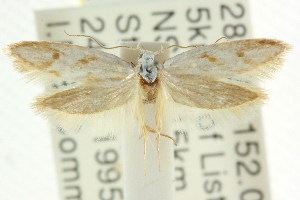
x=159, y=112
x=151, y=130
x=143, y=129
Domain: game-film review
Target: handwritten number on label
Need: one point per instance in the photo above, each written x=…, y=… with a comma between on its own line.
x=232, y=31
x=111, y=194
x=252, y=168
x=97, y=25
x=244, y=149
x=200, y=13
x=238, y=12
x=110, y=156
x=252, y=194
x=251, y=129
x=108, y=174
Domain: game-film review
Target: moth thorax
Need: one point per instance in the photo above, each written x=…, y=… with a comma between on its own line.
x=147, y=66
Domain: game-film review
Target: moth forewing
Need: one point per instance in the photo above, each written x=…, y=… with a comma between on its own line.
x=256, y=57
x=67, y=61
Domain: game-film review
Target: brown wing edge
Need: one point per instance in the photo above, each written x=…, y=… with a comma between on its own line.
x=20, y=63
x=267, y=69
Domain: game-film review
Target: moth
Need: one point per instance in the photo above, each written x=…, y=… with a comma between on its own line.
x=196, y=78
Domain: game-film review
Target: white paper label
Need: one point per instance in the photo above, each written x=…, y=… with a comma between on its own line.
x=213, y=160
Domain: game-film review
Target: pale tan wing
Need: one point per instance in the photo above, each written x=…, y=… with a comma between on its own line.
x=84, y=80
x=88, y=99
x=221, y=60
x=68, y=62
x=209, y=94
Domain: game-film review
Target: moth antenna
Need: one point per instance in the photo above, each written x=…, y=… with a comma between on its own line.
x=221, y=38
x=194, y=46
x=190, y=46
x=104, y=47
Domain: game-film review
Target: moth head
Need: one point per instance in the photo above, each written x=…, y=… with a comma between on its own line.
x=147, y=66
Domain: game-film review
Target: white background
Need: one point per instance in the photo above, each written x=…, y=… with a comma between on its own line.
x=26, y=163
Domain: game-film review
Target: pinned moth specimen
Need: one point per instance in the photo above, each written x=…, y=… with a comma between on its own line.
x=195, y=78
